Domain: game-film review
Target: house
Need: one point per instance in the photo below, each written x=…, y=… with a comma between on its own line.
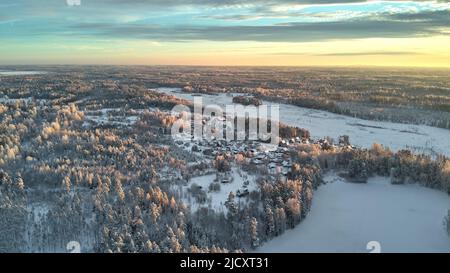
x=225, y=180
x=260, y=156
x=243, y=193
x=286, y=164
x=257, y=161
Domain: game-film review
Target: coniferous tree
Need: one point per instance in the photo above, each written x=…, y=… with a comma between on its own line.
x=254, y=232
x=270, y=222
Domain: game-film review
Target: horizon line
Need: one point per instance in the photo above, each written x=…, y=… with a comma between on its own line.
x=259, y=65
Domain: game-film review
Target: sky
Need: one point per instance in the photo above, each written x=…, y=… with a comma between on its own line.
x=226, y=32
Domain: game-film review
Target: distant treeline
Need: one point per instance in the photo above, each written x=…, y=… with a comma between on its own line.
x=402, y=166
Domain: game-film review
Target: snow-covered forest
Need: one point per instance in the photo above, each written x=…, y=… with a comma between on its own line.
x=86, y=155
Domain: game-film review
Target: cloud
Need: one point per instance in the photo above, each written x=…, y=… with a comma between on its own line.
x=254, y=20
x=365, y=53
x=5, y=19
x=381, y=26
x=370, y=53
x=221, y=2
x=147, y=5
x=234, y=2
x=234, y=17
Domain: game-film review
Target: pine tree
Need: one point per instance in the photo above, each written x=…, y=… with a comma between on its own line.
x=99, y=183
x=294, y=208
x=357, y=171
x=119, y=190
x=254, y=232
x=231, y=205
x=447, y=222
x=396, y=176
x=270, y=222
x=19, y=183
x=280, y=217
x=66, y=183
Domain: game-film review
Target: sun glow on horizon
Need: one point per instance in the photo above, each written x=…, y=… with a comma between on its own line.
x=373, y=33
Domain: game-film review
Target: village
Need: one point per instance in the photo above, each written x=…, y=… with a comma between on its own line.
x=244, y=163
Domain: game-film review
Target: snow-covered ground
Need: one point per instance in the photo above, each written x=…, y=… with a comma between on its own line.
x=8, y=100
x=21, y=73
x=363, y=133
x=216, y=200
x=105, y=116
x=39, y=211
x=344, y=217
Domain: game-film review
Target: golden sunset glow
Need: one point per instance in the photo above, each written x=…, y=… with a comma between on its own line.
x=379, y=33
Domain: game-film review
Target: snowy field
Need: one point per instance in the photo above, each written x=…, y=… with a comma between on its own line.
x=21, y=73
x=363, y=133
x=216, y=200
x=112, y=116
x=344, y=217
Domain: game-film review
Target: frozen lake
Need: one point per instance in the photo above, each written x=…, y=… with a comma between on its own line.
x=363, y=133
x=344, y=217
